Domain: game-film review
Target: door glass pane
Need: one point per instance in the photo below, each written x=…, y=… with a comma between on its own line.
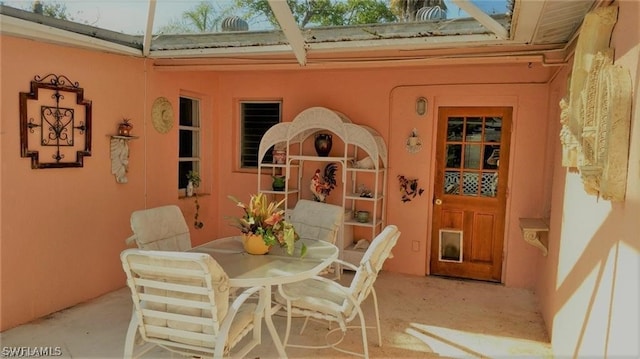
x=452, y=182
x=489, y=186
x=493, y=129
x=472, y=156
x=454, y=156
x=470, y=184
x=491, y=157
x=454, y=129
x=473, y=130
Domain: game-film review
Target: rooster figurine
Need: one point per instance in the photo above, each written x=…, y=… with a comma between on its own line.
x=321, y=185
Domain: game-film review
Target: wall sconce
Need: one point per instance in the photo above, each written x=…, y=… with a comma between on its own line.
x=421, y=106
x=414, y=142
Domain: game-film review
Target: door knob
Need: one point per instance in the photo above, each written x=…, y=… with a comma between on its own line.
x=438, y=201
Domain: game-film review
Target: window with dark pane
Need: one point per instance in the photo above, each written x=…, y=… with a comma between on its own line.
x=257, y=118
x=188, y=139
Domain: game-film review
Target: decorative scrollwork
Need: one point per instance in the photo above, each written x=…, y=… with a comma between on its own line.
x=532, y=238
x=57, y=123
x=596, y=113
x=60, y=81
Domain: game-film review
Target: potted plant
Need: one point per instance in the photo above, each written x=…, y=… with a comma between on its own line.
x=279, y=182
x=194, y=182
x=263, y=225
x=125, y=127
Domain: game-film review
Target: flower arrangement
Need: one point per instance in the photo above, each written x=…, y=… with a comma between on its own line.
x=266, y=219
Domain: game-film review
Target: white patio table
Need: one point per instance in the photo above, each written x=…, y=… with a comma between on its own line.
x=276, y=267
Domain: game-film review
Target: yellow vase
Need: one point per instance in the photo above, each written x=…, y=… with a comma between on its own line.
x=254, y=244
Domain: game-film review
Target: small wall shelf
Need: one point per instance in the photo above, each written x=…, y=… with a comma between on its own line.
x=120, y=156
x=533, y=230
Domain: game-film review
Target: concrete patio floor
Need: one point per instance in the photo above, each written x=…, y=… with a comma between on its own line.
x=421, y=317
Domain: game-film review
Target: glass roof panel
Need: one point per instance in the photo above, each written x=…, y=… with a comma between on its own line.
x=171, y=16
x=194, y=26
x=197, y=16
x=368, y=12
x=239, y=29
x=128, y=17
x=489, y=7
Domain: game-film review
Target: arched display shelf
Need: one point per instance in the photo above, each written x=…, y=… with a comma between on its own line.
x=361, y=157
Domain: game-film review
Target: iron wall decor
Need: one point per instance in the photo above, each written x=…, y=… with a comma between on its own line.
x=409, y=188
x=53, y=125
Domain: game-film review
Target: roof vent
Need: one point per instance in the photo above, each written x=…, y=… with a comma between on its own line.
x=234, y=23
x=431, y=13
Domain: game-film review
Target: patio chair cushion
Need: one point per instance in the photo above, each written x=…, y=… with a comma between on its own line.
x=219, y=279
x=317, y=297
x=181, y=302
x=316, y=220
x=324, y=299
x=161, y=228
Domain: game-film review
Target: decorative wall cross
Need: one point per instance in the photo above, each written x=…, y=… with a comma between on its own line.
x=52, y=126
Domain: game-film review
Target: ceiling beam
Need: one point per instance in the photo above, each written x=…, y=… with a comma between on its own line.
x=484, y=19
x=526, y=16
x=290, y=29
x=148, y=33
x=223, y=51
x=174, y=65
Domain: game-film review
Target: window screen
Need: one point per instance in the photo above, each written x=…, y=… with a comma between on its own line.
x=257, y=118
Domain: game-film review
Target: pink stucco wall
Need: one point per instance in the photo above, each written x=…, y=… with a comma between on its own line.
x=63, y=229
x=589, y=286
x=385, y=100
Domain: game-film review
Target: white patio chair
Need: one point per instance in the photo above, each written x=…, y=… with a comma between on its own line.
x=321, y=298
x=160, y=228
x=318, y=221
x=181, y=303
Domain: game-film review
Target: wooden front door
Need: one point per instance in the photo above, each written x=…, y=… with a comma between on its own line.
x=472, y=160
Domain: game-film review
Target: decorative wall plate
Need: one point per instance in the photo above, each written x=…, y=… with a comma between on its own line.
x=596, y=113
x=413, y=146
x=162, y=115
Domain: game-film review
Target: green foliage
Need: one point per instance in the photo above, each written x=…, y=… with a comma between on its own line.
x=57, y=10
x=405, y=10
x=208, y=15
x=323, y=12
x=204, y=17
x=194, y=177
x=266, y=218
x=48, y=8
x=357, y=12
x=197, y=224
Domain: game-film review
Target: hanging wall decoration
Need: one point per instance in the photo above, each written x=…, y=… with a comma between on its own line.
x=409, y=188
x=55, y=123
x=414, y=142
x=162, y=115
x=119, y=146
x=596, y=113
